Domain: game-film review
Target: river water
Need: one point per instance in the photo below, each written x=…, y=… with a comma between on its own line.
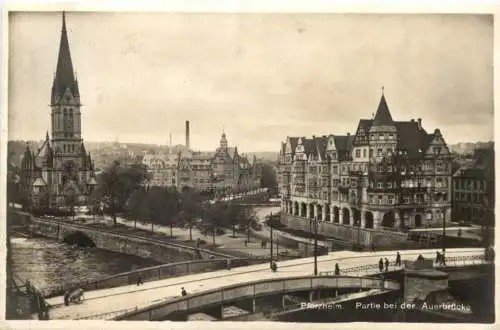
x=49, y=263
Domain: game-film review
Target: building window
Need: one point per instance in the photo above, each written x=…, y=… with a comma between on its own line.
x=371, y=152
x=358, y=153
x=390, y=199
x=364, y=153
x=380, y=185
x=380, y=199
x=389, y=185
x=335, y=169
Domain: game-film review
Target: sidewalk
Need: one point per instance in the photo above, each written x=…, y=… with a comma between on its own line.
x=225, y=243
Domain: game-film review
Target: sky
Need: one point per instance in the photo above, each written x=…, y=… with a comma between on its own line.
x=257, y=77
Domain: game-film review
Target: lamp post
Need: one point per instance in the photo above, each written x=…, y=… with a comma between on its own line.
x=271, y=237
x=315, y=246
x=444, y=231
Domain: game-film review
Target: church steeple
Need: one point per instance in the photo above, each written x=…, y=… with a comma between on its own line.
x=64, y=77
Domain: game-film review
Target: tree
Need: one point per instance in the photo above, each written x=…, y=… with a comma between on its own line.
x=213, y=219
x=137, y=205
x=163, y=206
x=70, y=200
x=190, y=209
x=269, y=178
x=117, y=183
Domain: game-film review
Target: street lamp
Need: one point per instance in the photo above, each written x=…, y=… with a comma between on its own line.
x=271, y=237
x=315, y=246
x=444, y=230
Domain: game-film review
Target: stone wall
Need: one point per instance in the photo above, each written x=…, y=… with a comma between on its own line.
x=418, y=284
x=362, y=236
x=163, y=252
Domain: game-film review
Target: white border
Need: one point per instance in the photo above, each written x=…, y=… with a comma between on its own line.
x=217, y=6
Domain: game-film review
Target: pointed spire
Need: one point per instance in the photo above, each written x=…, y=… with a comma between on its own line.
x=47, y=136
x=64, y=77
x=383, y=115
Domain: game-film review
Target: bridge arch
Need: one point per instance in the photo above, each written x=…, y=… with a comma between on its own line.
x=79, y=238
x=249, y=290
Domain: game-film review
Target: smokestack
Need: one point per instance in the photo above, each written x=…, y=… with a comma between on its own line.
x=170, y=145
x=187, y=134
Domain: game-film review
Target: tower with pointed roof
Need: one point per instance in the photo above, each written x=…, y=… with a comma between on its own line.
x=62, y=163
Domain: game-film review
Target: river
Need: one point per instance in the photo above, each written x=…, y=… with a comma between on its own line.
x=49, y=263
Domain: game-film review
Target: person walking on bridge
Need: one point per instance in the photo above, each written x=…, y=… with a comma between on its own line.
x=183, y=292
x=337, y=269
x=381, y=265
x=386, y=264
x=398, y=259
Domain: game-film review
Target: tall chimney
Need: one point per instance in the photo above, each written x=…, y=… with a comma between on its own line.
x=187, y=134
x=419, y=123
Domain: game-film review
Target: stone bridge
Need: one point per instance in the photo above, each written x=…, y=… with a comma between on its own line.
x=123, y=299
x=104, y=238
x=179, y=308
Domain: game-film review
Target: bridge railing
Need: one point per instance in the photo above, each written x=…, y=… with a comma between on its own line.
x=253, y=289
x=455, y=261
x=155, y=273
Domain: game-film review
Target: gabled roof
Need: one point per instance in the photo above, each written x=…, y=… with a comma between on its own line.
x=343, y=142
x=383, y=115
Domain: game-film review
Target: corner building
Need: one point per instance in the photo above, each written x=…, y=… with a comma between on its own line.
x=61, y=166
x=390, y=174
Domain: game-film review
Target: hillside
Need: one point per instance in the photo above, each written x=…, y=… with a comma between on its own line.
x=469, y=147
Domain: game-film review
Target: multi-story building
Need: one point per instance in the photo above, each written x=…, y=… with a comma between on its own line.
x=474, y=189
x=388, y=174
x=61, y=167
x=223, y=172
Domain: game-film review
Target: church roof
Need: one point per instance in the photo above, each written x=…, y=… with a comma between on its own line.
x=64, y=77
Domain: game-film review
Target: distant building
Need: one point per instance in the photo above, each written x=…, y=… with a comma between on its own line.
x=389, y=174
x=61, y=166
x=474, y=189
x=224, y=171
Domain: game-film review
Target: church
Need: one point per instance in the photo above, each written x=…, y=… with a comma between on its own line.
x=60, y=172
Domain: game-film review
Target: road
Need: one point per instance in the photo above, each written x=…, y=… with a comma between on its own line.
x=108, y=301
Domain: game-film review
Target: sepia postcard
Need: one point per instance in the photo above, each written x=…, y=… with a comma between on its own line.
x=295, y=168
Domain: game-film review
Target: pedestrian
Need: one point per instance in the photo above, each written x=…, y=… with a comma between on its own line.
x=443, y=259
x=183, y=292
x=398, y=259
x=139, y=280
x=337, y=269
x=66, y=298
x=386, y=264
x=381, y=265
x=438, y=257
x=373, y=247
x=246, y=243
